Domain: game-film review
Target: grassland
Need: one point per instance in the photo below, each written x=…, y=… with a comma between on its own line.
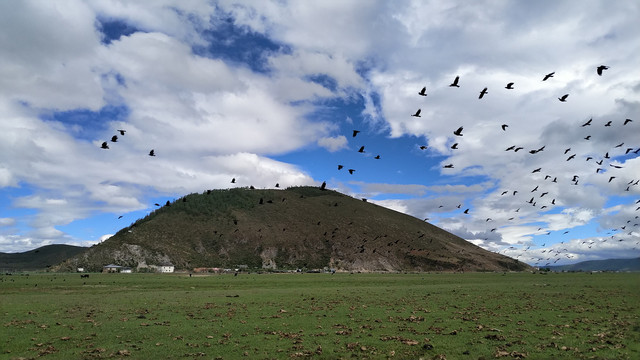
x=321, y=316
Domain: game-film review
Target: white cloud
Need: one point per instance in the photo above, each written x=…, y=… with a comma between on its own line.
x=333, y=144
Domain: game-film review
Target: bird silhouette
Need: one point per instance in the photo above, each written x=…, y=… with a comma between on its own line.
x=549, y=75
x=104, y=145
x=587, y=123
x=563, y=98
x=510, y=148
x=601, y=68
x=518, y=149
x=121, y=131
x=277, y=185
x=571, y=157
x=423, y=92
x=152, y=153
x=458, y=132
x=504, y=127
x=626, y=121
x=483, y=93
x=587, y=137
x=377, y=157
x=509, y=86
x=233, y=181
x=340, y=167
x=536, y=170
x=323, y=186
x=611, y=178
x=351, y=171
x=423, y=147
x=566, y=151
x=619, y=145
x=466, y=211
x=448, y=166
x=417, y=114
x=455, y=146
x=455, y=82
x=361, y=150
x=608, y=123
x=355, y=132
x=114, y=138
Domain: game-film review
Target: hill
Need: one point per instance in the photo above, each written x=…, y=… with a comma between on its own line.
x=601, y=265
x=301, y=227
x=38, y=259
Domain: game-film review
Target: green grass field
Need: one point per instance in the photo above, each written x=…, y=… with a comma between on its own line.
x=321, y=316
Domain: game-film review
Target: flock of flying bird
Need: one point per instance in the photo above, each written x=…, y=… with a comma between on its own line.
x=546, y=197
x=535, y=200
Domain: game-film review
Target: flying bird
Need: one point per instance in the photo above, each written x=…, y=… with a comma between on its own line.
x=626, y=121
x=608, y=123
x=377, y=157
x=114, y=138
x=566, y=151
x=121, y=131
x=536, y=170
x=233, y=181
x=455, y=146
x=518, y=149
x=423, y=147
x=351, y=171
x=355, y=132
x=587, y=137
x=483, y=93
x=277, y=185
x=340, y=167
x=587, y=123
x=455, y=82
x=510, y=148
x=549, y=75
x=466, y=211
x=571, y=157
x=448, y=166
x=611, y=178
x=504, y=127
x=423, y=92
x=619, y=145
x=458, y=132
x=104, y=145
x=152, y=153
x=509, y=86
x=417, y=114
x=563, y=98
x=601, y=68
x=361, y=150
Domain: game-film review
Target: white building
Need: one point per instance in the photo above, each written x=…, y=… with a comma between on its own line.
x=166, y=268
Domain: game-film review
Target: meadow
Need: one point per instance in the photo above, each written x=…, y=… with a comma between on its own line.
x=320, y=316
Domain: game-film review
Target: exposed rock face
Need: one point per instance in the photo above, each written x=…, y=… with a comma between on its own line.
x=289, y=229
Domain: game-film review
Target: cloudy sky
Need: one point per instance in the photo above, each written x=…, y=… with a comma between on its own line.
x=270, y=92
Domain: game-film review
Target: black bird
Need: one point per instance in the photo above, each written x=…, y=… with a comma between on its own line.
x=566, y=151
x=535, y=189
x=466, y=211
x=277, y=185
x=611, y=178
x=377, y=157
x=361, y=150
x=323, y=186
x=114, y=138
x=340, y=167
x=587, y=137
x=628, y=151
x=417, y=114
x=517, y=149
x=104, y=145
x=121, y=131
x=483, y=93
x=448, y=166
x=458, y=132
x=423, y=147
x=608, y=123
x=536, y=170
x=587, y=123
x=504, y=127
x=606, y=155
x=563, y=98
x=601, y=68
x=549, y=75
x=455, y=146
x=156, y=204
x=351, y=171
x=233, y=181
x=423, y=92
x=615, y=166
x=619, y=145
x=626, y=121
x=589, y=158
x=510, y=148
x=455, y=82
x=509, y=86
x=120, y=217
x=152, y=153
x=571, y=157
x=355, y=132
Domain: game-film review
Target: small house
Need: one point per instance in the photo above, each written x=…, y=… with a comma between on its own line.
x=166, y=268
x=111, y=268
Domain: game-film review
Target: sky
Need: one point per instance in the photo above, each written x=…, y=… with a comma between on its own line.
x=270, y=92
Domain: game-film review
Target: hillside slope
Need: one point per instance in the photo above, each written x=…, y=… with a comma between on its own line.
x=38, y=259
x=301, y=227
x=601, y=265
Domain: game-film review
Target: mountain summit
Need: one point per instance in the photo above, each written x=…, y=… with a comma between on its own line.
x=300, y=227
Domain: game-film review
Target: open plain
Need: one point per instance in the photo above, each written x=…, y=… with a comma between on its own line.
x=320, y=316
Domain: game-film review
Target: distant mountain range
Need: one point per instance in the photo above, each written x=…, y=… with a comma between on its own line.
x=38, y=259
x=601, y=265
x=296, y=228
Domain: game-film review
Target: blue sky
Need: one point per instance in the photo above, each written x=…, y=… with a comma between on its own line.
x=270, y=92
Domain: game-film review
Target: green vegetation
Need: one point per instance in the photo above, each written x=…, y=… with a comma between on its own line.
x=321, y=316
x=301, y=227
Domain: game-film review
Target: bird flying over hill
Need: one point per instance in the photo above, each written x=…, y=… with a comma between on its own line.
x=483, y=93
x=509, y=86
x=549, y=75
x=417, y=114
x=458, y=132
x=601, y=68
x=563, y=98
x=423, y=92
x=104, y=145
x=323, y=186
x=455, y=82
